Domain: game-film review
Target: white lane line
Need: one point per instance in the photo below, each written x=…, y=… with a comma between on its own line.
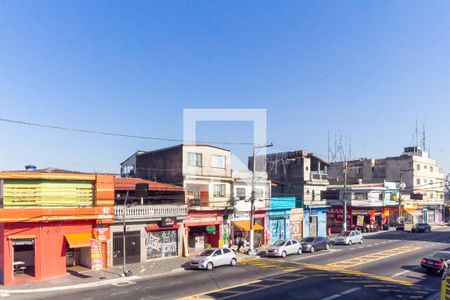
x=317, y=255
x=342, y=293
x=404, y=272
x=332, y=297
x=349, y=291
x=351, y=248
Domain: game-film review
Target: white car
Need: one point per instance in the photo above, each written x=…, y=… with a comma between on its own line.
x=284, y=247
x=349, y=237
x=214, y=257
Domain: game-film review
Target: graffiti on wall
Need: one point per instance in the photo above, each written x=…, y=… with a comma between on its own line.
x=161, y=243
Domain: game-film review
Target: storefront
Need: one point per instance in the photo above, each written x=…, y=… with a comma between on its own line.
x=315, y=221
x=203, y=230
x=360, y=218
x=279, y=225
x=35, y=251
x=240, y=226
x=148, y=240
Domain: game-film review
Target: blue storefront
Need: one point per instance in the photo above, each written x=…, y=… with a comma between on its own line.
x=315, y=221
x=279, y=217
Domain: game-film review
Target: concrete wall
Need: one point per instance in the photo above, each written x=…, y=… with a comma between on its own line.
x=164, y=165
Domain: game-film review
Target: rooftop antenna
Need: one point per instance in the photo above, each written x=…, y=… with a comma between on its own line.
x=423, y=137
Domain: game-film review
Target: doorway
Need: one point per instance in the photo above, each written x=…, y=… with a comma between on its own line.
x=23, y=258
x=132, y=244
x=313, y=226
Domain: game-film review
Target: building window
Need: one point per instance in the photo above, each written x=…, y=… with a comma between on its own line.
x=360, y=196
x=359, y=170
x=431, y=195
x=418, y=180
x=259, y=194
x=424, y=181
x=240, y=193
x=442, y=196
x=424, y=167
x=431, y=169
x=219, y=190
x=418, y=167
x=194, y=159
x=218, y=161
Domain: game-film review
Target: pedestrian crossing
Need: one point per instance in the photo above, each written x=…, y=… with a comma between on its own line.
x=356, y=261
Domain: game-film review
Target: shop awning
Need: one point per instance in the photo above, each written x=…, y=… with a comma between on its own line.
x=414, y=212
x=245, y=225
x=78, y=240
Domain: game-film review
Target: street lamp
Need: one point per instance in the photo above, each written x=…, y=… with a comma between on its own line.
x=251, y=250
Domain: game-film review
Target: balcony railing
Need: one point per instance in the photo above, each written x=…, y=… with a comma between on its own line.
x=150, y=211
x=211, y=203
x=319, y=176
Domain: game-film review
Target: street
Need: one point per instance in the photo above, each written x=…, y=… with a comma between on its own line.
x=385, y=266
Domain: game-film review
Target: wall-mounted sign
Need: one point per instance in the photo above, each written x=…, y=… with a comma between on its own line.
x=96, y=255
x=211, y=229
x=168, y=221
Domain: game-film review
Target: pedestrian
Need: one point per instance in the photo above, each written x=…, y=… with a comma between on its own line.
x=444, y=268
x=240, y=244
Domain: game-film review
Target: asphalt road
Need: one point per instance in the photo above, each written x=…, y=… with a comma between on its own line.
x=385, y=266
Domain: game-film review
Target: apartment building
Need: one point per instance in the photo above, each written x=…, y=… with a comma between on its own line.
x=204, y=172
x=239, y=219
x=302, y=175
x=420, y=178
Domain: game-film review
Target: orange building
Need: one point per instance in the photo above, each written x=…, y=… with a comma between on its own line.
x=53, y=222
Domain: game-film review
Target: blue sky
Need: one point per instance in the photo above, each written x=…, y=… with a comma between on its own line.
x=367, y=69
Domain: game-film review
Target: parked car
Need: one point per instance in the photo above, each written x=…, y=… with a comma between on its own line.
x=214, y=257
x=283, y=248
x=311, y=244
x=433, y=262
x=421, y=227
x=349, y=237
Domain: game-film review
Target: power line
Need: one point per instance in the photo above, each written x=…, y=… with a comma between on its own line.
x=105, y=133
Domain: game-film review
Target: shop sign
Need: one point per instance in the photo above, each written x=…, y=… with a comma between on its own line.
x=96, y=255
x=168, y=221
x=199, y=242
x=211, y=229
x=360, y=221
x=102, y=233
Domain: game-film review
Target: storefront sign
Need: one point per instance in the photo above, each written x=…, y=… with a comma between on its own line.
x=96, y=255
x=102, y=233
x=296, y=223
x=360, y=221
x=211, y=229
x=199, y=242
x=168, y=221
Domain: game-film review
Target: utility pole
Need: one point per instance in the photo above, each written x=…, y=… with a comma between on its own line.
x=345, y=197
x=251, y=250
x=124, y=213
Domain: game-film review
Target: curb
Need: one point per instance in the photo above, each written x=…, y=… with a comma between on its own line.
x=112, y=281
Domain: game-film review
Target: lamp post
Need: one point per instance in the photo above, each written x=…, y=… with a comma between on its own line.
x=251, y=250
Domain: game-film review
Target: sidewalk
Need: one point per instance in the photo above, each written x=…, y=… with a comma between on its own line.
x=96, y=278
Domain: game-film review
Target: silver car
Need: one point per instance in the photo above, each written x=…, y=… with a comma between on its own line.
x=349, y=237
x=283, y=248
x=214, y=257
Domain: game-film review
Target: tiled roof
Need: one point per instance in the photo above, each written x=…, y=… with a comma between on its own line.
x=123, y=184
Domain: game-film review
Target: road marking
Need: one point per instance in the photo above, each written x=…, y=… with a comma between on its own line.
x=342, y=293
x=320, y=254
x=365, y=259
x=404, y=272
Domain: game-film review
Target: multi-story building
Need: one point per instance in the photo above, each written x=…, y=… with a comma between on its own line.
x=52, y=222
x=370, y=206
x=242, y=191
x=420, y=179
x=204, y=172
x=303, y=175
x=153, y=220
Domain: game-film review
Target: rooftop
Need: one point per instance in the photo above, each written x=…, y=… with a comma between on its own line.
x=128, y=184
